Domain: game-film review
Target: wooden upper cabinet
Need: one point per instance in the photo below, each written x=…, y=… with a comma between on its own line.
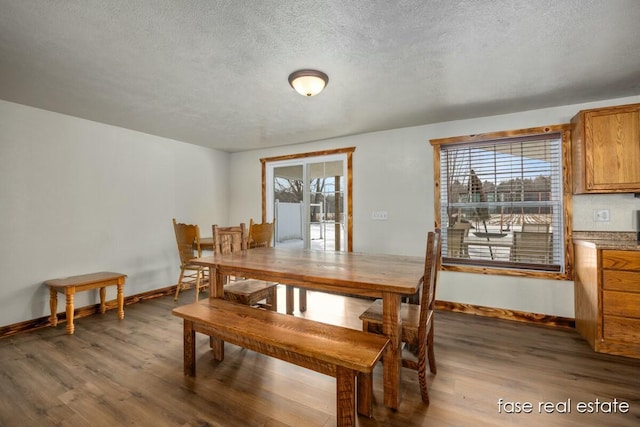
x=606, y=150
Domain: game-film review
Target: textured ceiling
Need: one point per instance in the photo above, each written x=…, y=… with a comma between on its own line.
x=214, y=73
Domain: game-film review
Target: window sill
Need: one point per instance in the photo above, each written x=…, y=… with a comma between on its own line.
x=549, y=275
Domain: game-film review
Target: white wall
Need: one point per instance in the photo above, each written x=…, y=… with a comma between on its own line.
x=393, y=171
x=78, y=196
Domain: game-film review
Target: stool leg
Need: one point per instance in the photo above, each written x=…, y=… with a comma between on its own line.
x=70, y=295
x=53, y=304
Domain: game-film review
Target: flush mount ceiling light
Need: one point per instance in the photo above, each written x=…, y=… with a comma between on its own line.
x=308, y=82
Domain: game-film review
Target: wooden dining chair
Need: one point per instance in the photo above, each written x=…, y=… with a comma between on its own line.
x=188, y=240
x=261, y=234
x=227, y=240
x=417, y=321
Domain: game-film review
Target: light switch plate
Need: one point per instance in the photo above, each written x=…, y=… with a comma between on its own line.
x=379, y=215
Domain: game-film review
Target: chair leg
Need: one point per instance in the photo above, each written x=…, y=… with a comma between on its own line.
x=422, y=375
x=272, y=300
x=198, y=273
x=205, y=279
x=175, y=298
x=432, y=355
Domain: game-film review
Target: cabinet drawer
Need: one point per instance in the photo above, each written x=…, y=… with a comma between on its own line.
x=621, y=303
x=622, y=329
x=617, y=280
x=621, y=260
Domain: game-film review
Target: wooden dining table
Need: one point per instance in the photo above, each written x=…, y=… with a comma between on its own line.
x=206, y=243
x=388, y=277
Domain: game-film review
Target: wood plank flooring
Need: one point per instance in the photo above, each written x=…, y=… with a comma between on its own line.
x=129, y=372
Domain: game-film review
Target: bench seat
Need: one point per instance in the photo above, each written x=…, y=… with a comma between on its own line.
x=332, y=350
x=69, y=286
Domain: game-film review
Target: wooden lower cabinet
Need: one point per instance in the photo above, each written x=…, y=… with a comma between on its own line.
x=607, y=299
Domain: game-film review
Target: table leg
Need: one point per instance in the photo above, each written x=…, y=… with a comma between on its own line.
x=103, y=294
x=392, y=328
x=303, y=299
x=189, y=350
x=289, y=298
x=216, y=290
x=120, y=298
x=53, y=305
x=70, y=295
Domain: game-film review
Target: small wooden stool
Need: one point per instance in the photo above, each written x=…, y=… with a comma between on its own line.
x=70, y=285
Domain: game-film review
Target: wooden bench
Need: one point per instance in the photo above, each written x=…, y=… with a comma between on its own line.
x=332, y=350
x=70, y=285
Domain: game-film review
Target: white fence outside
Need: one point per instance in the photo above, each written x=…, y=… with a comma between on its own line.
x=288, y=221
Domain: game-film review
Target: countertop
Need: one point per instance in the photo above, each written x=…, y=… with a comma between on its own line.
x=613, y=240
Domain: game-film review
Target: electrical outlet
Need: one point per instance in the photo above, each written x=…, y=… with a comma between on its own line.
x=601, y=215
x=379, y=215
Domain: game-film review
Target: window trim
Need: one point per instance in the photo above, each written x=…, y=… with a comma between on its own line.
x=565, y=131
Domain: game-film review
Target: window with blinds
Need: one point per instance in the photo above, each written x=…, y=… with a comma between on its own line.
x=501, y=203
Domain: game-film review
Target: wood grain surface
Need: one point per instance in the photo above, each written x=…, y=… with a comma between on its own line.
x=129, y=372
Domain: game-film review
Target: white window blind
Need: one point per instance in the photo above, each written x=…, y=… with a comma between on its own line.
x=501, y=203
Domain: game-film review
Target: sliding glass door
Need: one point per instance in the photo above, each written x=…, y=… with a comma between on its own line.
x=307, y=198
x=325, y=225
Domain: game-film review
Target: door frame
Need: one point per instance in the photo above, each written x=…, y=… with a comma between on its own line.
x=348, y=151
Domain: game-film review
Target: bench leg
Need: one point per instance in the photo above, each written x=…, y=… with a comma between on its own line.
x=217, y=347
x=392, y=328
x=70, y=295
x=345, y=396
x=189, y=349
x=53, y=305
x=120, y=298
x=103, y=295
x=365, y=394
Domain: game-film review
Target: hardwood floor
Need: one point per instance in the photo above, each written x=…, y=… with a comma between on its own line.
x=129, y=372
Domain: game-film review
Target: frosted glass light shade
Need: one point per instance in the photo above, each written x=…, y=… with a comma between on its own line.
x=308, y=82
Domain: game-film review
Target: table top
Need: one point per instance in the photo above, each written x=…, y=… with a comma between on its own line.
x=359, y=273
x=206, y=243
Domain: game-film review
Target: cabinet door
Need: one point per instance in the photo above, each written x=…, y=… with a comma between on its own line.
x=612, y=148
